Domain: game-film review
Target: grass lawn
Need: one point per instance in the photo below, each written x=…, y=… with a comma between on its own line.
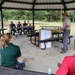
x=40, y=23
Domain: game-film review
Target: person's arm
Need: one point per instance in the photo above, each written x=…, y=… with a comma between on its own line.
x=67, y=24
x=23, y=24
x=20, y=25
x=63, y=70
x=14, y=26
x=18, y=52
x=66, y=27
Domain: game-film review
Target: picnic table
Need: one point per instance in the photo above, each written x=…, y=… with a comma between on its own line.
x=36, y=41
x=56, y=32
x=54, y=29
x=50, y=27
x=60, y=39
x=2, y=29
x=9, y=71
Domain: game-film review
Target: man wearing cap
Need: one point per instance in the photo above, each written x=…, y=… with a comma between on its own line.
x=66, y=32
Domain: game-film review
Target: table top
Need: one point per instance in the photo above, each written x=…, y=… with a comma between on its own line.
x=2, y=29
x=9, y=71
x=50, y=27
x=57, y=31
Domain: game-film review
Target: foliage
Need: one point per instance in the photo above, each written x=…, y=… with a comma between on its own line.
x=39, y=15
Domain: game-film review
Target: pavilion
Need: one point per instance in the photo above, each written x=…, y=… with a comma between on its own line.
x=34, y=5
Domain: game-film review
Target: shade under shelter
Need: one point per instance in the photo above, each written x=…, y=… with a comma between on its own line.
x=34, y=5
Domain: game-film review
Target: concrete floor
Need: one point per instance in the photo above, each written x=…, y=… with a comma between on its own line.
x=41, y=60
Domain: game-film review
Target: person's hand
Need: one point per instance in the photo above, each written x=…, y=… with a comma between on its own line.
x=17, y=65
x=59, y=65
x=20, y=59
x=61, y=29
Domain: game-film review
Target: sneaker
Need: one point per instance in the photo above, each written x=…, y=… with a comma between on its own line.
x=62, y=52
x=63, y=49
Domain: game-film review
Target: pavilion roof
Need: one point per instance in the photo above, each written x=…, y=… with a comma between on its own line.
x=38, y=4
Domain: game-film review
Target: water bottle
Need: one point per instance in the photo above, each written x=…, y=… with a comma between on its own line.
x=49, y=71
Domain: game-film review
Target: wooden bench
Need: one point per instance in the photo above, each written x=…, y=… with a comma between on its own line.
x=55, y=39
x=37, y=41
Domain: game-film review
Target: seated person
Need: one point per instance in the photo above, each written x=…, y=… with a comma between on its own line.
x=10, y=53
x=12, y=28
x=30, y=28
x=25, y=26
x=67, y=67
x=19, y=28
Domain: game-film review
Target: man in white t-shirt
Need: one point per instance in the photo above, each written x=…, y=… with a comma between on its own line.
x=66, y=32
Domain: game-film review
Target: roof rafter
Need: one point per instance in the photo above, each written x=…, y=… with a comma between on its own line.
x=2, y=2
x=19, y=2
x=69, y=2
x=28, y=9
x=34, y=1
x=16, y=8
x=48, y=3
x=62, y=3
x=65, y=8
x=34, y=9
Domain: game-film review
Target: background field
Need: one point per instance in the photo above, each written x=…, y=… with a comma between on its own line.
x=38, y=24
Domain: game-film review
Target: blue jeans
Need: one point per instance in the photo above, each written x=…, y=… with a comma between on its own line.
x=12, y=29
x=65, y=39
x=20, y=66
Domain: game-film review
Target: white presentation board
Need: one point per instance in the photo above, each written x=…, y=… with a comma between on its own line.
x=45, y=34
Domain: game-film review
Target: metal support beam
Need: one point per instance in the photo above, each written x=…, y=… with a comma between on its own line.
x=19, y=2
x=70, y=2
x=52, y=3
x=65, y=8
x=2, y=15
x=2, y=20
x=2, y=2
x=34, y=1
x=33, y=20
x=17, y=8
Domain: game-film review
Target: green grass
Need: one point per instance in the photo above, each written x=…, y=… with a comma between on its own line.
x=40, y=23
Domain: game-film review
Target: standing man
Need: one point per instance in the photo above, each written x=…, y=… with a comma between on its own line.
x=66, y=32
